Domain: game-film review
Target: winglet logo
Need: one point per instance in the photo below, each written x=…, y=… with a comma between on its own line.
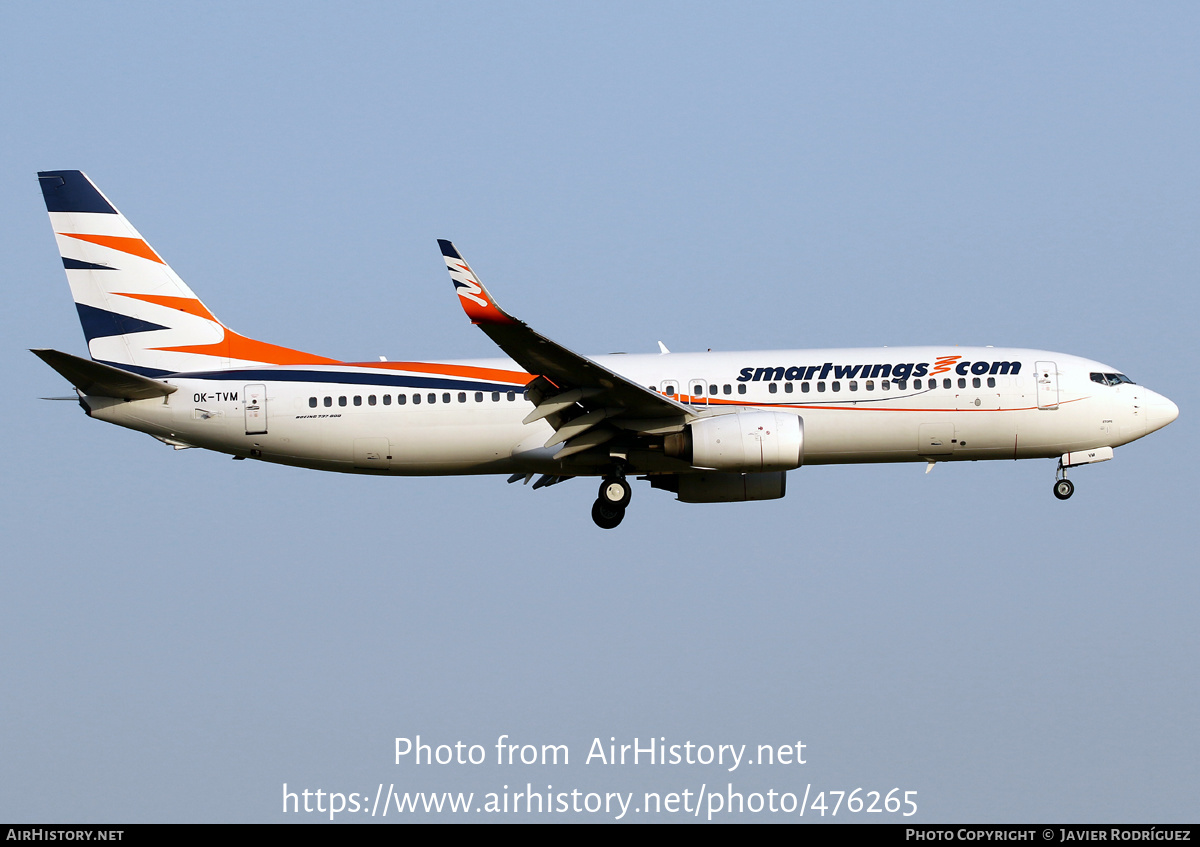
x=468, y=287
x=943, y=364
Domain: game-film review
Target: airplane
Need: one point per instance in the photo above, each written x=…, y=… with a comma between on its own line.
x=708, y=427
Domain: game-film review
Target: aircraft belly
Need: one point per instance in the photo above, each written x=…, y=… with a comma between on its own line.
x=847, y=436
x=451, y=447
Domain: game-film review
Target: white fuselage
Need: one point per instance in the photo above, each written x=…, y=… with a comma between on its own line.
x=465, y=417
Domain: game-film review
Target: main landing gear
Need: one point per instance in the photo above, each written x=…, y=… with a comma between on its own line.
x=609, y=509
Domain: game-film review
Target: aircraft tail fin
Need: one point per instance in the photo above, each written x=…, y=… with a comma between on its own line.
x=136, y=313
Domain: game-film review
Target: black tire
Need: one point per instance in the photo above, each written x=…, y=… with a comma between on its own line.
x=607, y=515
x=616, y=491
x=1063, y=489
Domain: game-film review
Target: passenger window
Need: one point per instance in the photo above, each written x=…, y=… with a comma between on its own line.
x=387, y=399
x=328, y=401
x=975, y=383
x=312, y=402
x=342, y=401
x=821, y=386
x=416, y=399
x=991, y=382
x=495, y=396
x=787, y=387
x=446, y=397
x=804, y=387
x=478, y=396
x=371, y=400
x=854, y=385
x=652, y=388
x=774, y=388
x=712, y=389
x=962, y=382
x=902, y=384
x=836, y=385
x=885, y=385
x=512, y=395
x=669, y=390
x=870, y=385
x=727, y=389
x=917, y=383
x=946, y=382
x=401, y=399
x=357, y=399
x=462, y=396
x=432, y=398
x=741, y=388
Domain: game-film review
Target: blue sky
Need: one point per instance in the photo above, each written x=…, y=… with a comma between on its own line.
x=185, y=634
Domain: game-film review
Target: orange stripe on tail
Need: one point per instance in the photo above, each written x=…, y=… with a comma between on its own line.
x=183, y=304
x=235, y=346
x=132, y=246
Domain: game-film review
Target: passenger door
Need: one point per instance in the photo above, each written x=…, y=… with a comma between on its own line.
x=256, y=410
x=1047, y=385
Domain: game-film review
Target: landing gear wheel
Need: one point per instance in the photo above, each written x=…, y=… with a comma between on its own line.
x=1063, y=489
x=616, y=491
x=607, y=515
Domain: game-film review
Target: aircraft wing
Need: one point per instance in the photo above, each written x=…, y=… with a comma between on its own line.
x=586, y=403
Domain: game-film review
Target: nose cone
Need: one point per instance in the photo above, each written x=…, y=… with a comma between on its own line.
x=1159, y=412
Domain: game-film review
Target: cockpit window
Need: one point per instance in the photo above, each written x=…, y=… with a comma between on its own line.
x=1110, y=379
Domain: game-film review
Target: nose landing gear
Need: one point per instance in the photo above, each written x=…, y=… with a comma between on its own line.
x=1063, y=487
x=609, y=509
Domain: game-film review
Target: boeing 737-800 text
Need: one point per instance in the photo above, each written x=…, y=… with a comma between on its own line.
x=710, y=427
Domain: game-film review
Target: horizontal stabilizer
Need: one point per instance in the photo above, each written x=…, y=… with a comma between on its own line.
x=99, y=380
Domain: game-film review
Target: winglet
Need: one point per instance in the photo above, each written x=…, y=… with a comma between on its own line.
x=477, y=301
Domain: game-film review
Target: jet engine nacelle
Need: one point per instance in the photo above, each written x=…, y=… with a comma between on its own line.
x=749, y=442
